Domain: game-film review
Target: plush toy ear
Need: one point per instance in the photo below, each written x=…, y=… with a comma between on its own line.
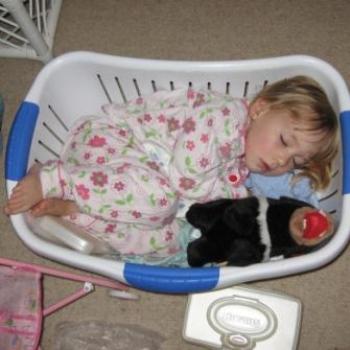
x=204, y=216
x=200, y=251
x=241, y=215
x=244, y=253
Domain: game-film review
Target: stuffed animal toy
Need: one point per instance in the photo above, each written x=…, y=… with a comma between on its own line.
x=254, y=229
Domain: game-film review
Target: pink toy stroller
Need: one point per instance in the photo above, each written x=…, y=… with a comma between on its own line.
x=21, y=301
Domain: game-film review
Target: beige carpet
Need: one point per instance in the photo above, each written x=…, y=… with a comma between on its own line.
x=195, y=30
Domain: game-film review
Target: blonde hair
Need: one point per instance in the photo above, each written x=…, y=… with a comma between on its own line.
x=307, y=102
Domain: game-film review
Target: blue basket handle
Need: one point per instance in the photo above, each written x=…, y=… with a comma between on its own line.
x=20, y=139
x=345, y=131
x=170, y=279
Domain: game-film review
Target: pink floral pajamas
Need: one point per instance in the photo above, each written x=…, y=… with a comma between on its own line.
x=128, y=194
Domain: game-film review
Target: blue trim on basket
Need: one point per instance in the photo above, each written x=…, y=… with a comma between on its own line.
x=345, y=131
x=20, y=139
x=171, y=279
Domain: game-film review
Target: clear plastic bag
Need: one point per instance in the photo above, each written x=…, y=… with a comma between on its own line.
x=99, y=335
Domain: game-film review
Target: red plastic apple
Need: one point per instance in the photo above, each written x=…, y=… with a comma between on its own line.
x=316, y=224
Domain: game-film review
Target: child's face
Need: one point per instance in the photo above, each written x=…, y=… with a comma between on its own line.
x=275, y=143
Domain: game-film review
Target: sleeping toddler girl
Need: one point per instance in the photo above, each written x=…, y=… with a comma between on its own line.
x=124, y=175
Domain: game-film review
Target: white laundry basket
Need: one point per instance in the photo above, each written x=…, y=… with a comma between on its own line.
x=77, y=84
x=27, y=28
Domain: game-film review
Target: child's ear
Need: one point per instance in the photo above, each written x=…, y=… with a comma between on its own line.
x=256, y=108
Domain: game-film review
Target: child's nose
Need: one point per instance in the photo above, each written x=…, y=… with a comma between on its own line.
x=282, y=160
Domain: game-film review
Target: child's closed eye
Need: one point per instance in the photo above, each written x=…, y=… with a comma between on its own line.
x=283, y=141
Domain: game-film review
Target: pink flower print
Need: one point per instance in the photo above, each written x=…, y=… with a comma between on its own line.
x=62, y=183
x=82, y=191
x=161, y=118
x=173, y=124
x=154, y=218
x=163, y=202
x=189, y=125
x=204, y=162
x=110, y=228
x=162, y=181
x=210, y=122
x=190, y=145
x=114, y=214
x=225, y=112
x=191, y=94
x=119, y=186
x=136, y=214
x=73, y=145
x=153, y=165
x=111, y=150
x=199, y=100
x=87, y=155
x=168, y=220
x=169, y=236
x=204, y=138
x=139, y=101
x=97, y=141
x=98, y=178
x=225, y=150
x=100, y=160
x=186, y=183
x=121, y=169
x=80, y=128
x=243, y=130
x=147, y=117
x=122, y=133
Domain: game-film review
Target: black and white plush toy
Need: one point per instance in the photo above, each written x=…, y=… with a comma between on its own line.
x=254, y=229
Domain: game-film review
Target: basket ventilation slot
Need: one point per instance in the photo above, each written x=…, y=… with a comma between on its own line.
x=137, y=87
x=330, y=195
x=246, y=86
x=53, y=133
x=49, y=149
x=58, y=118
x=171, y=86
x=121, y=89
x=154, y=86
x=104, y=88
